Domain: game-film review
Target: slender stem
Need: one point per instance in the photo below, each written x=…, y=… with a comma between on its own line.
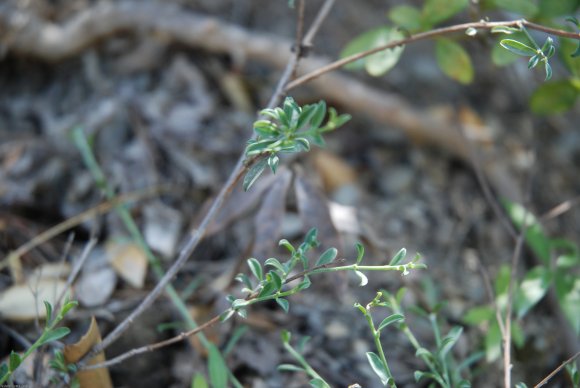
x=309, y=370
x=428, y=35
x=555, y=371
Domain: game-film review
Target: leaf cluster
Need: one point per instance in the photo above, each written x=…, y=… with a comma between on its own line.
x=289, y=129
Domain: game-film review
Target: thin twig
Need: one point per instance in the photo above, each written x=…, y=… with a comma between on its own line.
x=555, y=371
x=560, y=209
x=239, y=170
x=427, y=35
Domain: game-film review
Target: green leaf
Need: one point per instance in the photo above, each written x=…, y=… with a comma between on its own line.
x=548, y=69
x=318, y=114
x=267, y=290
x=568, y=294
x=406, y=16
x=284, y=304
x=493, y=342
x=521, y=385
x=256, y=147
x=273, y=161
x=430, y=375
x=245, y=280
x=291, y=110
x=199, y=381
x=276, y=279
x=311, y=238
x=398, y=257
x=272, y=262
x=424, y=354
x=327, y=257
x=477, y=315
x=569, y=50
x=381, y=62
x=526, y=8
x=533, y=62
x=303, y=143
x=306, y=283
x=256, y=268
x=533, y=288
x=518, y=336
x=48, y=308
x=363, y=279
x=436, y=11
x=266, y=128
x=69, y=305
x=454, y=60
x=360, y=252
x=15, y=360
x=502, y=280
x=390, y=320
x=218, y=371
x=535, y=236
x=554, y=97
x=306, y=115
x=517, y=47
x=286, y=244
x=53, y=335
x=254, y=173
x=285, y=335
x=449, y=341
x=503, y=57
x=378, y=367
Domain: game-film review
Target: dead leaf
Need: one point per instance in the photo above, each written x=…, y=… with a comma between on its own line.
x=268, y=220
x=95, y=378
x=129, y=261
x=24, y=302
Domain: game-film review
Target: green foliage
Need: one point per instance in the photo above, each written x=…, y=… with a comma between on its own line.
x=289, y=129
x=269, y=282
x=316, y=381
x=454, y=61
x=50, y=333
x=555, y=97
x=442, y=368
x=560, y=273
x=532, y=49
x=380, y=63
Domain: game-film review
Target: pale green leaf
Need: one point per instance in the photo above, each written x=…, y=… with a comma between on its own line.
x=454, y=60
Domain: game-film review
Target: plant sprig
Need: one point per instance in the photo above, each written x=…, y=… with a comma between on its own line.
x=50, y=333
x=271, y=284
x=289, y=129
x=534, y=51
